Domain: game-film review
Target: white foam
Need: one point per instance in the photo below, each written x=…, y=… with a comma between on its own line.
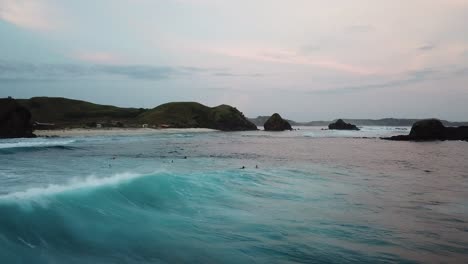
x=365, y=131
x=75, y=184
x=27, y=143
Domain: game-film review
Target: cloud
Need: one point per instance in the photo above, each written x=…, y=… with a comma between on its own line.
x=426, y=47
x=290, y=57
x=98, y=57
x=228, y=74
x=30, y=14
x=142, y=72
x=27, y=71
x=14, y=71
x=411, y=77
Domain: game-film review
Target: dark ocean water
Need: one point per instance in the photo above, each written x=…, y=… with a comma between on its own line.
x=316, y=197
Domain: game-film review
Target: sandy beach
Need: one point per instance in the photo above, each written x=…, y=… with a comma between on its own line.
x=79, y=132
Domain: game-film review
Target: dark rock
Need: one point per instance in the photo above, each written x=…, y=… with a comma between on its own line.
x=260, y=121
x=342, y=125
x=397, y=138
x=433, y=129
x=456, y=133
x=428, y=129
x=276, y=123
x=15, y=120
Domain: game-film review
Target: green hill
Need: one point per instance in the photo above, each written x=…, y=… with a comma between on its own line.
x=63, y=112
x=72, y=113
x=195, y=115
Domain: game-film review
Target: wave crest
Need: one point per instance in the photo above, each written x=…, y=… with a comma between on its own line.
x=34, y=143
x=73, y=185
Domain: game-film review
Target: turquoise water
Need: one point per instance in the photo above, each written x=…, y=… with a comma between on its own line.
x=181, y=197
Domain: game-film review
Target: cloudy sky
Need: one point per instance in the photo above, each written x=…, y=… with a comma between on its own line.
x=306, y=59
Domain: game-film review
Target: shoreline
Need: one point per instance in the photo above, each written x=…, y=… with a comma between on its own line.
x=76, y=132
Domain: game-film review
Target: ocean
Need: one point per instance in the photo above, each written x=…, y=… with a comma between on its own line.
x=199, y=196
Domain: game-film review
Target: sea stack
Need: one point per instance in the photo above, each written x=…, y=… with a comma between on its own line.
x=276, y=123
x=342, y=125
x=433, y=129
x=15, y=120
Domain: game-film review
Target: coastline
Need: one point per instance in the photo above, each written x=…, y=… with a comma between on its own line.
x=80, y=132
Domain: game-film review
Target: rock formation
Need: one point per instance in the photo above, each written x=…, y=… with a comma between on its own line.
x=276, y=123
x=433, y=129
x=342, y=125
x=15, y=120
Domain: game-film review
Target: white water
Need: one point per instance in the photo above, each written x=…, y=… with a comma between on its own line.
x=34, y=142
x=72, y=185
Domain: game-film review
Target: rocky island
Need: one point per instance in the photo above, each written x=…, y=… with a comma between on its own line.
x=432, y=129
x=342, y=125
x=276, y=123
x=15, y=120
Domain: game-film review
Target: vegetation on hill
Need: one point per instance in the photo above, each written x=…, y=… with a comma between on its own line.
x=63, y=112
x=69, y=112
x=195, y=115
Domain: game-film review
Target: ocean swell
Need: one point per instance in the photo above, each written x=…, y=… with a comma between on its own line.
x=96, y=219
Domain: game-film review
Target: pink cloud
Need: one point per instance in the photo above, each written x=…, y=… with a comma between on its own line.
x=289, y=57
x=31, y=14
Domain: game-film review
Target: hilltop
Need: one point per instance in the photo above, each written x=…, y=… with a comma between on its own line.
x=196, y=115
x=64, y=112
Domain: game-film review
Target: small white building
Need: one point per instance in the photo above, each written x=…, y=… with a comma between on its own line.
x=144, y=126
x=98, y=125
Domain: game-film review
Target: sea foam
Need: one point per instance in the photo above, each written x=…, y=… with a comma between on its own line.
x=73, y=185
x=28, y=143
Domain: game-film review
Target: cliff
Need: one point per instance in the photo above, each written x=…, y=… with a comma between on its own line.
x=15, y=120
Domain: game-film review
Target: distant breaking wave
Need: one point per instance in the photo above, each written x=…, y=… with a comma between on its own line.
x=34, y=143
